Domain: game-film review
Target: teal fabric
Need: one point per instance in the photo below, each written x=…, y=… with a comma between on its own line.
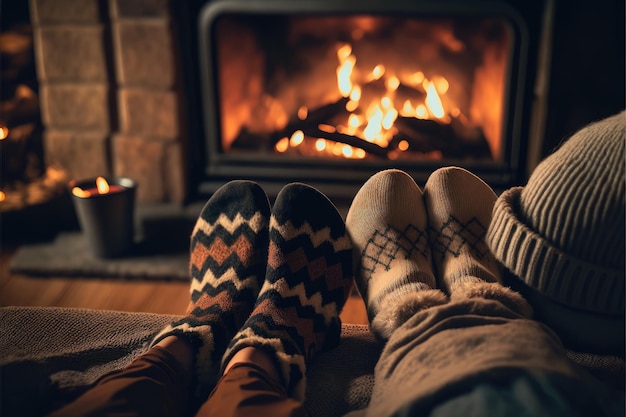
x=528, y=395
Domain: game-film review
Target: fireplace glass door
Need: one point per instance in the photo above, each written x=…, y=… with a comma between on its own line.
x=333, y=95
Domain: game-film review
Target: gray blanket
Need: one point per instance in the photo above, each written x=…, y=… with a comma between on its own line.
x=48, y=356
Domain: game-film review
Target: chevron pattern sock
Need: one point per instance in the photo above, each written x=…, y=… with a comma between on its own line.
x=228, y=255
x=459, y=206
x=308, y=279
x=387, y=224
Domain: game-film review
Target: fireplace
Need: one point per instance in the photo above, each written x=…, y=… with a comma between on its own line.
x=331, y=92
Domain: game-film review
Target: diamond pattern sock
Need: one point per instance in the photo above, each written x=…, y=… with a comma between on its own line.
x=459, y=206
x=228, y=254
x=308, y=279
x=387, y=224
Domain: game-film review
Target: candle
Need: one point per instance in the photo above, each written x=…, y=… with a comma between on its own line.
x=105, y=210
x=102, y=187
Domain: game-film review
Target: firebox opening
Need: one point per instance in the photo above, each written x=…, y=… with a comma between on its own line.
x=322, y=95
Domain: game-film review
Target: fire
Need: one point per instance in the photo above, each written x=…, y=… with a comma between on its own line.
x=3, y=196
x=4, y=132
x=102, y=187
x=372, y=118
x=433, y=101
x=79, y=192
x=347, y=61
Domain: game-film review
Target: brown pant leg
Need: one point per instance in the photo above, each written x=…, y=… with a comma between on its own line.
x=154, y=384
x=248, y=390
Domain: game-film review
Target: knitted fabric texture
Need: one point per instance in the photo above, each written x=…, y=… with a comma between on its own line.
x=228, y=257
x=308, y=279
x=563, y=233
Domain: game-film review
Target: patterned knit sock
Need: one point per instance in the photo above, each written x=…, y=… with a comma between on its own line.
x=308, y=279
x=387, y=224
x=459, y=206
x=229, y=246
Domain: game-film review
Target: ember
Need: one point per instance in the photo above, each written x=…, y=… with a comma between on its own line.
x=364, y=87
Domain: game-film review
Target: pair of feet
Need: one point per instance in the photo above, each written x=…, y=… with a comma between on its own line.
x=416, y=250
x=270, y=278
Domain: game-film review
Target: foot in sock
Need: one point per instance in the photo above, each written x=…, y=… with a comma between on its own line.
x=387, y=224
x=308, y=279
x=228, y=255
x=459, y=206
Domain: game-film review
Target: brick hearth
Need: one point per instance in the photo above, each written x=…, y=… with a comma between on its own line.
x=111, y=100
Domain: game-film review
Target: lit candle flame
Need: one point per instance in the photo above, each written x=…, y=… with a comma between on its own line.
x=102, y=185
x=79, y=192
x=3, y=196
x=4, y=132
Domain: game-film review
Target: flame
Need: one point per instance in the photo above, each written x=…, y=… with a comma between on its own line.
x=433, y=101
x=303, y=112
x=4, y=132
x=282, y=145
x=347, y=61
x=79, y=192
x=372, y=118
x=3, y=196
x=102, y=185
x=296, y=138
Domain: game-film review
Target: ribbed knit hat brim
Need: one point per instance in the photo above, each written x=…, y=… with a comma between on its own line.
x=565, y=278
x=564, y=232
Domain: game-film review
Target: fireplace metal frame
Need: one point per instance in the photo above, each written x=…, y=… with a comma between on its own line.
x=341, y=179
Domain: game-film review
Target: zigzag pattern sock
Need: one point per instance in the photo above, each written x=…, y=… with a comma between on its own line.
x=308, y=279
x=387, y=224
x=459, y=206
x=228, y=254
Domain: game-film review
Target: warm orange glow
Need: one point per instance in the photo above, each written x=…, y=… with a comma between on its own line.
x=403, y=145
x=378, y=71
x=320, y=145
x=282, y=145
x=102, y=185
x=347, y=61
x=434, y=102
x=303, y=112
x=355, y=94
x=372, y=118
x=3, y=196
x=327, y=128
x=442, y=85
x=392, y=83
x=79, y=192
x=4, y=132
x=416, y=78
x=297, y=138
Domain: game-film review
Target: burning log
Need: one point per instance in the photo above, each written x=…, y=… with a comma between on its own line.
x=453, y=141
x=353, y=141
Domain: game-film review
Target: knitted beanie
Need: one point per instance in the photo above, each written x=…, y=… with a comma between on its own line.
x=563, y=233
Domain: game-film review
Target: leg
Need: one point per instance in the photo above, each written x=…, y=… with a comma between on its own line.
x=308, y=278
x=482, y=336
x=227, y=262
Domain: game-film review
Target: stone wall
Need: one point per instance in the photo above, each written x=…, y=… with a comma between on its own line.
x=111, y=92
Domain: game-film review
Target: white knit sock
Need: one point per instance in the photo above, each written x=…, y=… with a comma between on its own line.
x=459, y=206
x=387, y=224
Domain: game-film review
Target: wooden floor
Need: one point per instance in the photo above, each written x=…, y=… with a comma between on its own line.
x=109, y=294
